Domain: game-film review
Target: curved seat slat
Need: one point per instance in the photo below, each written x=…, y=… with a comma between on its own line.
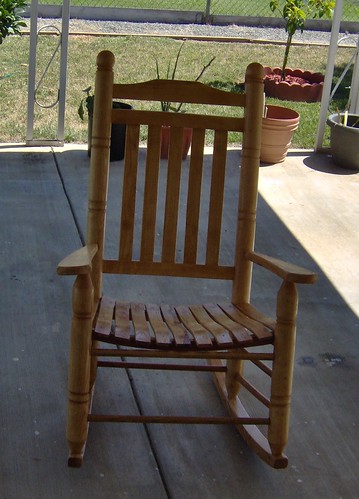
x=190, y=326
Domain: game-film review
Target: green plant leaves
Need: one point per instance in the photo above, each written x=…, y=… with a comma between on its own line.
x=171, y=74
x=86, y=103
x=295, y=13
x=11, y=17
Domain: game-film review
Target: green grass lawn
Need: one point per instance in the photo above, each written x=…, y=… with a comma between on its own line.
x=135, y=62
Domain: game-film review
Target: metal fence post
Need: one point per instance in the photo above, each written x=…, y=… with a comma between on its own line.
x=207, y=15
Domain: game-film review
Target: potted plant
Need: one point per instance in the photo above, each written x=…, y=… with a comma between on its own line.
x=170, y=106
x=344, y=139
x=286, y=83
x=118, y=130
x=278, y=126
x=11, y=17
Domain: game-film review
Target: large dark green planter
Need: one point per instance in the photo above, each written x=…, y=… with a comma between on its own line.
x=344, y=140
x=118, y=135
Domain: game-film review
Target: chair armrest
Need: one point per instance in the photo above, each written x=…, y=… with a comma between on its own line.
x=287, y=271
x=78, y=262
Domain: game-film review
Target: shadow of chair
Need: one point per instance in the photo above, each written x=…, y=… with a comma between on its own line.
x=159, y=235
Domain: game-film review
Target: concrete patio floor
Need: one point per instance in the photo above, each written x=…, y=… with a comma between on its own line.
x=308, y=214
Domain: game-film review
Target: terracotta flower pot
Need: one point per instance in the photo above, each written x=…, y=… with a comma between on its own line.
x=165, y=141
x=300, y=86
x=344, y=140
x=278, y=128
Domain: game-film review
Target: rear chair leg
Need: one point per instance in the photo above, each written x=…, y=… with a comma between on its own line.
x=93, y=366
x=234, y=367
x=79, y=396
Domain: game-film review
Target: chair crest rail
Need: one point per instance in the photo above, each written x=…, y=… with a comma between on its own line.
x=177, y=91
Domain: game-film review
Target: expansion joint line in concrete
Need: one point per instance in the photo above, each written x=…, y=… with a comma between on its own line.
x=72, y=209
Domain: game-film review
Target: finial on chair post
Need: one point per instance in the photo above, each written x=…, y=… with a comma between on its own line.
x=255, y=72
x=105, y=60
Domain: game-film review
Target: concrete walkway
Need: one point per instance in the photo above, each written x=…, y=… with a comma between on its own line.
x=309, y=214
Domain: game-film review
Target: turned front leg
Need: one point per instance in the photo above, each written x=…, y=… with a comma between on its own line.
x=282, y=374
x=79, y=368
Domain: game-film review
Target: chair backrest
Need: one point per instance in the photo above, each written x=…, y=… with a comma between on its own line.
x=163, y=184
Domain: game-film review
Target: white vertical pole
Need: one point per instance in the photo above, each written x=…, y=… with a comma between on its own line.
x=354, y=87
x=32, y=72
x=329, y=71
x=63, y=70
x=65, y=13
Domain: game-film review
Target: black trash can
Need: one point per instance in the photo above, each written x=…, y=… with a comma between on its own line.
x=118, y=135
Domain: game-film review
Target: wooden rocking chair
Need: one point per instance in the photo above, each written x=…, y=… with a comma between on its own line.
x=223, y=334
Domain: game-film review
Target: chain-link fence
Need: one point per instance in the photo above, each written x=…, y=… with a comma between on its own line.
x=209, y=8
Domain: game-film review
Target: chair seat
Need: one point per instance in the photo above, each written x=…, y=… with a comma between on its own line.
x=186, y=327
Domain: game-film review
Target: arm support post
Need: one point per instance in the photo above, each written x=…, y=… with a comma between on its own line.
x=79, y=371
x=282, y=373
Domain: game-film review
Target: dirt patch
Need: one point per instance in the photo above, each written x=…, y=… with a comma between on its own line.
x=289, y=79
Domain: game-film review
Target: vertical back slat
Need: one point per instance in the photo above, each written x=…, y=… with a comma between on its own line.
x=194, y=196
x=216, y=197
x=172, y=196
x=129, y=193
x=150, y=194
